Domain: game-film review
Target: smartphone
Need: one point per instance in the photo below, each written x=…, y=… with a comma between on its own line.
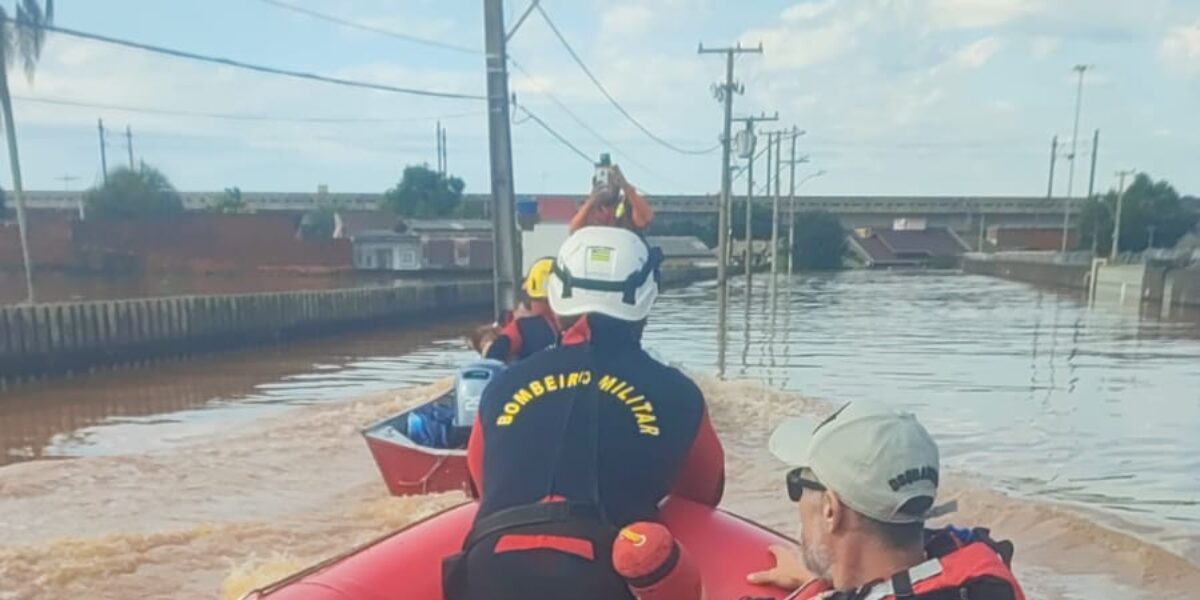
x=603, y=175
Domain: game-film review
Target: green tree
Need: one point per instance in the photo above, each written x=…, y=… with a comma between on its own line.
x=129, y=193
x=1149, y=208
x=423, y=193
x=230, y=202
x=318, y=224
x=760, y=219
x=820, y=241
x=21, y=39
x=3, y=203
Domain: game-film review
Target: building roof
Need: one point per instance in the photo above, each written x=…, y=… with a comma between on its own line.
x=681, y=246
x=379, y=236
x=350, y=223
x=894, y=248
x=438, y=225
x=933, y=242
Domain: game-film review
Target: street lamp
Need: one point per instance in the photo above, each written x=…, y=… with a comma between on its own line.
x=1081, y=70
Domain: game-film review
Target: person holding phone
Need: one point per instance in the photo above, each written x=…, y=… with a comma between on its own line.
x=613, y=203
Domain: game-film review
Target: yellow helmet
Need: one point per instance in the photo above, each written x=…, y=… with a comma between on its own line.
x=539, y=274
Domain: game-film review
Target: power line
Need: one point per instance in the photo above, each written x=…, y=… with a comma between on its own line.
x=582, y=123
x=243, y=65
x=371, y=28
x=232, y=116
x=613, y=101
x=556, y=135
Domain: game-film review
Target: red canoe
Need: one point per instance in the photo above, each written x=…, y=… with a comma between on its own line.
x=406, y=565
x=409, y=468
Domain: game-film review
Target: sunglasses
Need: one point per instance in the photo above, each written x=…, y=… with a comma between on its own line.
x=796, y=484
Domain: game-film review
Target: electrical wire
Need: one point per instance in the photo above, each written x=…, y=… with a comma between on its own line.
x=582, y=123
x=243, y=65
x=370, y=28
x=529, y=115
x=600, y=86
x=234, y=116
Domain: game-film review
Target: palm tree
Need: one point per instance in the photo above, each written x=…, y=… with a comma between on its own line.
x=21, y=40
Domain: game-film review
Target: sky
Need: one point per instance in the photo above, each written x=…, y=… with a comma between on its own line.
x=937, y=97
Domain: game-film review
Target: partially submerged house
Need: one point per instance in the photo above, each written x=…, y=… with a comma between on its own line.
x=909, y=243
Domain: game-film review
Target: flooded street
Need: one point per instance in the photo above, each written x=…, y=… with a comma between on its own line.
x=1069, y=429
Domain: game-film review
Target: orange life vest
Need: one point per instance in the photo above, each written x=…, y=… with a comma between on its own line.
x=962, y=566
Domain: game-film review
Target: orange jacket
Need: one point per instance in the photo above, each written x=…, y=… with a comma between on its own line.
x=637, y=216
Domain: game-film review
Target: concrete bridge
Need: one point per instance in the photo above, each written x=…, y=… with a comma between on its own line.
x=965, y=214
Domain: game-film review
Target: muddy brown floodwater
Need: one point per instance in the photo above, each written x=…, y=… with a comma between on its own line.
x=1064, y=428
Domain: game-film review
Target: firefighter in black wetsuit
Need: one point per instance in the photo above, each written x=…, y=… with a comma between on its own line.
x=583, y=438
x=533, y=327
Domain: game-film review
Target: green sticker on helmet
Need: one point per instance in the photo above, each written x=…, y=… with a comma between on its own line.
x=599, y=254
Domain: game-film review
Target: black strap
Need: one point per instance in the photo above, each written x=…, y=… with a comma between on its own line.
x=902, y=585
x=659, y=573
x=628, y=288
x=528, y=515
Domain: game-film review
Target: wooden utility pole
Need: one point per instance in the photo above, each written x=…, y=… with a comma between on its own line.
x=775, y=220
x=724, y=93
x=792, y=202
x=103, y=153
x=750, y=123
x=1053, y=159
x=1095, y=153
x=129, y=145
x=1116, y=236
x=507, y=253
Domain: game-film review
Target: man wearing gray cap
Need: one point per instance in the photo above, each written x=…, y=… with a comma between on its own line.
x=864, y=481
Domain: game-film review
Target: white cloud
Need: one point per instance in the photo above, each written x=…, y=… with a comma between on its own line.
x=978, y=53
x=626, y=20
x=964, y=14
x=801, y=43
x=807, y=11
x=1002, y=106
x=87, y=72
x=1043, y=46
x=1180, y=49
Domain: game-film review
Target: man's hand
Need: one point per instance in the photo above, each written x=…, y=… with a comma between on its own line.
x=788, y=574
x=618, y=178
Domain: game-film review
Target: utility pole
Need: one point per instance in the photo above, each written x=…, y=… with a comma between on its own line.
x=792, y=203
x=775, y=220
x=770, y=164
x=1053, y=158
x=1081, y=70
x=438, y=135
x=724, y=93
x=129, y=145
x=1095, y=153
x=1116, y=236
x=507, y=253
x=792, y=162
x=749, y=255
x=445, y=154
x=103, y=153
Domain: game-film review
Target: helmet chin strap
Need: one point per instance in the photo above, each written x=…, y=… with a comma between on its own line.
x=628, y=288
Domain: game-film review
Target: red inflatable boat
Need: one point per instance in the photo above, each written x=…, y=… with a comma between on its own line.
x=406, y=565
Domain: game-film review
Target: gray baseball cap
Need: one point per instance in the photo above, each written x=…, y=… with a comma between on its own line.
x=879, y=461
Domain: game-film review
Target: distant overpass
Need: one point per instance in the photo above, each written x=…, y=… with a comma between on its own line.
x=962, y=213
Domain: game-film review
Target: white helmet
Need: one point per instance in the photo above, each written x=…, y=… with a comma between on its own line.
x=605, y=270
